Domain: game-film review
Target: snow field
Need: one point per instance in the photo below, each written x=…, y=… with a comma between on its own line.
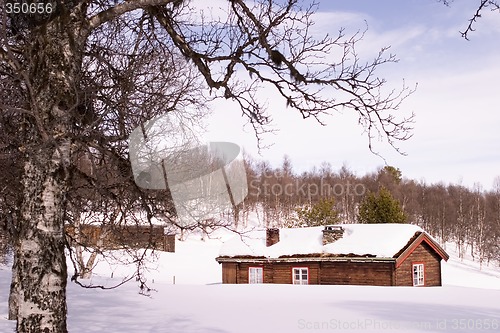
x=468, y=301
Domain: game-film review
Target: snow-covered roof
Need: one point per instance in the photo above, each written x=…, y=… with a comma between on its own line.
x=136, y=218
x=378, y=240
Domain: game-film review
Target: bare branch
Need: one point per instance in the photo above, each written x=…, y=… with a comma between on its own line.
x=483, y=4
x=290, y=61
x=122, y=8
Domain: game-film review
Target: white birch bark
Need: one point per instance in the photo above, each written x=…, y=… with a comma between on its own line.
x=40, y=255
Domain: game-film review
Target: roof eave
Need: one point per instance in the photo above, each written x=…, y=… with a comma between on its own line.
x=304, y=259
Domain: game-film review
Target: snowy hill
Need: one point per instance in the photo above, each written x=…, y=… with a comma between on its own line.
x=197, y=302
x=469, y=273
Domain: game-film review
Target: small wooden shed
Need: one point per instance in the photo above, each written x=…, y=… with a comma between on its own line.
x=352, y=254
x=122, y=236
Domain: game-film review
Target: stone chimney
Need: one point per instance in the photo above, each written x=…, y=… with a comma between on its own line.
x=272, y=236
x=331, y=233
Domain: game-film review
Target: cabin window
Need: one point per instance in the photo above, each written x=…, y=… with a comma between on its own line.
x=300, y=275
x=255, y=275
x=418, y=274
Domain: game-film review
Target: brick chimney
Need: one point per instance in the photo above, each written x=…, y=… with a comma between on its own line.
x=331, y=233
x=272, y=236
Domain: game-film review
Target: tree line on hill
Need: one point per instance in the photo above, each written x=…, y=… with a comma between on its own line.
x=470, y=217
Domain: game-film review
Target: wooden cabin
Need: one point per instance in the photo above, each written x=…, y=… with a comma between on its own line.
x=119, y=236
x=350, y=254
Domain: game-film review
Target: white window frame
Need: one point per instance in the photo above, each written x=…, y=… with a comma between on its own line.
x=418, y=274
x=300, y=271
x=255, y=275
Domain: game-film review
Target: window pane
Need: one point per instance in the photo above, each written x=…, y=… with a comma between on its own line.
x=300, y=275
x=418, y=275
x=255, y=275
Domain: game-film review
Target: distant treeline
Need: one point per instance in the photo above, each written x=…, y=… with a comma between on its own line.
x=470, y=217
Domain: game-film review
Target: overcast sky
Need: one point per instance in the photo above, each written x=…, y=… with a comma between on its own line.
x=456, y=135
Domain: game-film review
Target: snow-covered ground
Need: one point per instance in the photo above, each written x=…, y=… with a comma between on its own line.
x=468, y=301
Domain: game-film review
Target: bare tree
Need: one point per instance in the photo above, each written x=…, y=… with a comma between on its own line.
x=88, y=72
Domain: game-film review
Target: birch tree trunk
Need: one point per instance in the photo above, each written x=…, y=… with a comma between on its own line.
x=85, y=267
x=41, y=271
x=14, y=289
